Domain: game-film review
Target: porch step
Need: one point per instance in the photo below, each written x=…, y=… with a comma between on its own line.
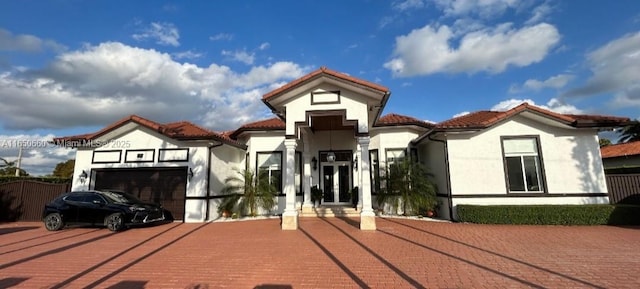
x=330, y=211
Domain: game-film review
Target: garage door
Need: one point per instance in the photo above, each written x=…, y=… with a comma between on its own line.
x=166, y=186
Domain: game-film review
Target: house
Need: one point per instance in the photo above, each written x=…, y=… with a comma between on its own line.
x=622, y=157
x=328, y=132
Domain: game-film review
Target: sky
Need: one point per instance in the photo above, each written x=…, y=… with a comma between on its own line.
x=71, y=67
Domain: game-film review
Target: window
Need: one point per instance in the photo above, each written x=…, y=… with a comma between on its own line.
x=374, y=170
x=522, y=164
x=270, y=165
x=395, y=156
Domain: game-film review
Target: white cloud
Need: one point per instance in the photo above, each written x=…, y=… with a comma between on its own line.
x=482, y=8
x=221, y=36
x=553, y=104
x=540, y=13
x=187, y=55
x=555, y=82
x=38, y=156
x=26, y=43
x=264, y=46
x=162, y=33
x=461, y=114
x=616, y=69
x=100, y=84
x=408, y=4
x=428, y=50
x=240, y=55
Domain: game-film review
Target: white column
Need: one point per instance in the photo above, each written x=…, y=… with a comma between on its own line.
x=360, y=176
x=367, y=216
x=290, y=215
x=306, y=180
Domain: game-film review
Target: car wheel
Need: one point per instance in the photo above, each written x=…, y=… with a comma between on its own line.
x=53, y=222
x=114, y=222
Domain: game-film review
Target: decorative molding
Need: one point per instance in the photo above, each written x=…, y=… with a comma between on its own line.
x=173, y=155
x=139, y=156
x=325, y=97
x=106, y=157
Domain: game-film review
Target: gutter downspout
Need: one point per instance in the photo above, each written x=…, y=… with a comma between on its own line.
x=447, y=173
x=208, y=182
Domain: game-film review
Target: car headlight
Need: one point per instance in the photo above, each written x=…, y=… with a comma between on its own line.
x=133, y=209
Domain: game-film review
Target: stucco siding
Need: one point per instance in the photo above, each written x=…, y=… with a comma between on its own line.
x=354, y=104
x=571, y=159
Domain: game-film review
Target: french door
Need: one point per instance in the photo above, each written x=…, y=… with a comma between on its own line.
x=336, y=182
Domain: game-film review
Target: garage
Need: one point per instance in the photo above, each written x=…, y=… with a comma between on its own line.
x=166, y=186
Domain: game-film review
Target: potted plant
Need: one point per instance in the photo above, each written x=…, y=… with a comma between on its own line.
x=316, y=195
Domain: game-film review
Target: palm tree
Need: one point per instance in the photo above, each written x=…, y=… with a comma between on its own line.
x=408, y=184
x=630, y=132
x=245, y=193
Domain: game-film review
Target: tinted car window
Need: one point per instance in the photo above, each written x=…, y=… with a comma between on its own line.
x=74, y=198
x=93, y=198
x=119, y=197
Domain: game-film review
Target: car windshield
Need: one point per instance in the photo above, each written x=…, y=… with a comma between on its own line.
x=121, y=197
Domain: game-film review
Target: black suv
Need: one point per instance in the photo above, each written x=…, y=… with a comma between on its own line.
x=113, y=209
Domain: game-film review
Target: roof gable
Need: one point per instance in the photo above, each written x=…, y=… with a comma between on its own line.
x=182, y=130
x=486, y=119
x=323, y=71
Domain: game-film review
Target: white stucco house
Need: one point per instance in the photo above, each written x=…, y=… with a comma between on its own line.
x=327, y=131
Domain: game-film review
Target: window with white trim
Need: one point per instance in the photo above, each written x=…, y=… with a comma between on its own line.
x=522, y=164
x=270, y=165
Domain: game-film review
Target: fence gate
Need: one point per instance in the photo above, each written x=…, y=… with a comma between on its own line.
x=24, y=200
x=624, y=188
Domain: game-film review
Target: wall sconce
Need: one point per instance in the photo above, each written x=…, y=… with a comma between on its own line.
x=190, y=174
x=314, y=163
x=355, y=163
x=83, y=177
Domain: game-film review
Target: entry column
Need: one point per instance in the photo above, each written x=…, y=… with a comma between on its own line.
x=290, y=215
x=367, y=216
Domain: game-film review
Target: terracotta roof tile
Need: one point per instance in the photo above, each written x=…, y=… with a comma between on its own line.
x=621, y=150
x=326, y=71
x=393, y=119
x=182, y=130
x=273, y=123
x=485, y=119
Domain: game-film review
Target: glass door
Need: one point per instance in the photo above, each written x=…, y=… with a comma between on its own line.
x=336, y=182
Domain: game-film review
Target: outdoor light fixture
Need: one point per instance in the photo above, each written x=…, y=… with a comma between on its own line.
x=314, y=163
x=355, y=163
x=331, y=157
x=190, y=174
x=83, y=177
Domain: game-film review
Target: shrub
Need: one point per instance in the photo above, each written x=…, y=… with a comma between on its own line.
x=550, y=214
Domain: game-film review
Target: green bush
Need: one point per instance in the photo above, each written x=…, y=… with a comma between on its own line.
x=50, y=180
x=550, y=214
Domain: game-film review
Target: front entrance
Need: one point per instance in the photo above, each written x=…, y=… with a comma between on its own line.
x=336, y=182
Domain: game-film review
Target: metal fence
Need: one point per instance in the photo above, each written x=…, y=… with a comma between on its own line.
x=624, y=188
x=24, y=200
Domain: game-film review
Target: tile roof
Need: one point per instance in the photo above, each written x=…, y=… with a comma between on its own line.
x=181, y=130
x=621, y=150
x=394, y=119
x=273, y=123
x=317, y=73
x=485, y=119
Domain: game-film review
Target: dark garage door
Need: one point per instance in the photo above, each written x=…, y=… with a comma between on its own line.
x=166, y=186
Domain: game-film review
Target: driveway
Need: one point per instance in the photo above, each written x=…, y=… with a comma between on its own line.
x=323, y=253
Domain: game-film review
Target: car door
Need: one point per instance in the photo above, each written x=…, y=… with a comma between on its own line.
x=71, y=207
x=96, y=209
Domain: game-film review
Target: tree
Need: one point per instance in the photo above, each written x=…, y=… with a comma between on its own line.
x=630, y=132
x=64, y=169
x=246, y=193
x=604, y=142
x=8, y=168
x=408, y=185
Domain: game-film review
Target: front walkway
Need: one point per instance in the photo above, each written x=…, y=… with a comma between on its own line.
x=323, y=253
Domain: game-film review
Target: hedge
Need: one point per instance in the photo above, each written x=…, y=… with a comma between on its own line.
x=550, y=214
x=51, y=180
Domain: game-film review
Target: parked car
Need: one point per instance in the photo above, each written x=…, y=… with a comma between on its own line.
x=114, y=209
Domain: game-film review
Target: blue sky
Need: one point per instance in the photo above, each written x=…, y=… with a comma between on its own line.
x=71, y=67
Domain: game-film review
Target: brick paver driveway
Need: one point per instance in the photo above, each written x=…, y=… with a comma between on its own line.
x=324, y=253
